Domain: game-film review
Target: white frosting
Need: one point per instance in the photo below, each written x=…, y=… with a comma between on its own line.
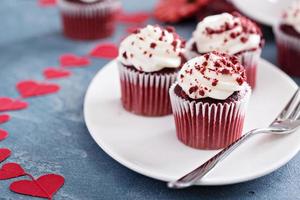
x=291, y=16
x=223, y=41
x=148, y=51
x=198, y=75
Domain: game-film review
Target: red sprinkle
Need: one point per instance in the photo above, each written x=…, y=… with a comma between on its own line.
x=214, y=82
x=193, y=89
x=152, y=45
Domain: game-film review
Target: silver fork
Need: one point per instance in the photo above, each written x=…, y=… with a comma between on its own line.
x=286, y=122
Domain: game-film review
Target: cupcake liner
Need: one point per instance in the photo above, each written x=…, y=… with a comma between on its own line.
x=145, y=94
x=288, y=50
x=249, y=59
x=88, y=21
x=208, y=126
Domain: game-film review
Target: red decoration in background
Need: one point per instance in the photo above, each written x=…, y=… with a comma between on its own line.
x=45, y=186
x=132, y=29
x=52, y=73
x=138, y=18
x=176, y=10
x=106, y=51
x=4, y=154
x=7, y=104
x=4, y=118
x=32, y=88
x=3, y=134
x=11, y=170
x=46, y=3
x=71, y=60
x=215, y=7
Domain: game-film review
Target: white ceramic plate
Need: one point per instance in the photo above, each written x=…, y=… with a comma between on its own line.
x=264, y=11
x=149, y=145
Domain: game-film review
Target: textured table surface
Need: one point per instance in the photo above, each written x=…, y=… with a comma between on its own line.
x=51, y=136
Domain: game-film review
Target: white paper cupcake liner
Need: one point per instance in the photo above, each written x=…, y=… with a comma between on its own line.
x=144, y=93
x=208, y=126
x=89, y=10
x=250, y=60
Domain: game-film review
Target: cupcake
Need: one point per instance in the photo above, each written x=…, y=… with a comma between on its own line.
x=209, y=101
x=232, y=34
x=287, y=33
x=88, y=19
x=149, y=60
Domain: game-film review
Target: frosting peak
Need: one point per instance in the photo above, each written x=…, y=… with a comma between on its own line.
x=152, y=49
x=215, y=75
x=227, y=33
x=291, y=16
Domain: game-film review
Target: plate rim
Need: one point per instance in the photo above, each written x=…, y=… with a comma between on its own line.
x=264, y=21
x=149, y=174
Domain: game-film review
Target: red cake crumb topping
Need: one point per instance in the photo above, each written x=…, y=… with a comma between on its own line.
x=124, y=55
x=222, y=65
x=153, y=45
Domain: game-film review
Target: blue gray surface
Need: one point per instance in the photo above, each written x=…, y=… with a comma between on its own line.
x=51, y=135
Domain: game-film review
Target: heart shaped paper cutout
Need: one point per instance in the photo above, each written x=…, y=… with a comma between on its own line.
x=71, y=60
x=4, y=118
x=52, y=73
x=3, y=134
x=8, y=104
x=32, y=88
x=106, y=50
x=4, y=154
x=46, y=3
x=45, y=186
x=11, y=170
x=137, y=18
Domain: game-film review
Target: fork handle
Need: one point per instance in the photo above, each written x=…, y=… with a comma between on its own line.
x=192, y=177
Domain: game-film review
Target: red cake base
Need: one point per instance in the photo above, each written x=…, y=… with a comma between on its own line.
x=88, y=28
x=208, y=125
x=146, y=93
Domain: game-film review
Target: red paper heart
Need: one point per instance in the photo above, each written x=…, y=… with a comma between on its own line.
x=4, y=154
x=33, y=88
x=51, y=73
x=46, y=3
x=106, y=50
x=11, y=170
x=3, y=134
x=7, y=104
x=4, y=118
x=70, y=60
x=45, y=186
x=138, y=18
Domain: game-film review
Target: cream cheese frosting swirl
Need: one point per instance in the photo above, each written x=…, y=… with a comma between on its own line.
x=227, y=33
x=291, y=16
x=152, y=49
x=215, y=75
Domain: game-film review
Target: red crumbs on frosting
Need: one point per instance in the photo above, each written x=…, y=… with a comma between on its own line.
x=225, y=64
x=248, y=27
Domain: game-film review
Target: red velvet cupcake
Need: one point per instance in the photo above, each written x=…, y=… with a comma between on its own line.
x=232, y=34
x=149, y=60
x=287, y=34
x=209, y=101
x=88, y=19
